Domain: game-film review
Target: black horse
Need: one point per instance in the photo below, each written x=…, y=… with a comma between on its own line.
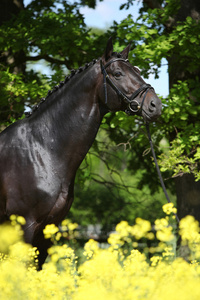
x=39, y=155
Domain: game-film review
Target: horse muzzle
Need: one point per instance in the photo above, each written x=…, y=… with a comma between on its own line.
x=150, y=109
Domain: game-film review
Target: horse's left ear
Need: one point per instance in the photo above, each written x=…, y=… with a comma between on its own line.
x=125, y=52
x=109, y=49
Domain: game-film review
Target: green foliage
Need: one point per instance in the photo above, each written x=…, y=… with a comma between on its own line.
x=156, y=38
x=17, y=93
x=106, y=189
x=53, y=31
x=181, y=113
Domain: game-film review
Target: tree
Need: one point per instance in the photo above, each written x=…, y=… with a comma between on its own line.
x=9, y=10
x=54, y=32
x=170, y=29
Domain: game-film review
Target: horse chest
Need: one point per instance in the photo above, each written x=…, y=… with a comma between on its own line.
x=61, y=205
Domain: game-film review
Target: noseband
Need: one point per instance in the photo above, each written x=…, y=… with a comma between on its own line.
x=134, y=107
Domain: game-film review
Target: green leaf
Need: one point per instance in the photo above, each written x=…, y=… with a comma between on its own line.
x=183, y=117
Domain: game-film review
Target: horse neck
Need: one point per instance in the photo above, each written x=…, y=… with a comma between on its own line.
x=72, y=115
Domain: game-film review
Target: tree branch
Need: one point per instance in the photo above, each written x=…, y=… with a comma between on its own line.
x=49, y=59
x=153, y=4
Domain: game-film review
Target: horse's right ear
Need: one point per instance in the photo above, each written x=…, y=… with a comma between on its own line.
x=109, y=49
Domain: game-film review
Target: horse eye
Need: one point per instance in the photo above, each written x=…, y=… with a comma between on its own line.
x=118, y=74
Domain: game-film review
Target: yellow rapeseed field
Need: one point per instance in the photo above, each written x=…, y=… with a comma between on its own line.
x=117, y=272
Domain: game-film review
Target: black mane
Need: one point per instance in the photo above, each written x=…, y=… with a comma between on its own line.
x=57, y=87
x=67, y=78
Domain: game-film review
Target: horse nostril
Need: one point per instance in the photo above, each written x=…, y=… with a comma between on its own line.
x=152, y=106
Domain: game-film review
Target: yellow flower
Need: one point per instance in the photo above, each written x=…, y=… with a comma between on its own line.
x=91, y=248
x=21, y=220
x=169, y=208
x=155, y=260
x=17, y=220
x=21, y=251
x=115, y=240
x=163, y=230
x=141, y=228
x=165, y=235
x=72, y=226
x=161, y=223
x=50, y=230
x=106, y=273
x=168, y=252
x=8, y=236
x=123, y=228
x=189, y=229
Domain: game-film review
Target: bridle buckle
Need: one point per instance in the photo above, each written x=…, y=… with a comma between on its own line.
x=134, y=106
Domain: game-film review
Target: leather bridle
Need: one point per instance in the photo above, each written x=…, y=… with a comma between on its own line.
x=134, y=107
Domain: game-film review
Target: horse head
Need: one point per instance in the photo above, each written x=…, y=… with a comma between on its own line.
x=124, y=88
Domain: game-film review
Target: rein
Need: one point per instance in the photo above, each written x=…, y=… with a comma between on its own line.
x=133, y=105
x=158, y=169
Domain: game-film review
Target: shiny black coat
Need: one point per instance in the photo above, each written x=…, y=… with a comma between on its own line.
x=39, y=156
